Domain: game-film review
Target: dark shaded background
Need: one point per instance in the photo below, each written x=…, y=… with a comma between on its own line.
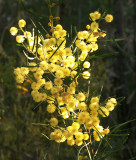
x=19, y=139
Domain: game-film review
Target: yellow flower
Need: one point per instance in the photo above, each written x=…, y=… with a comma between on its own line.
x=51, y=108
x=71, y=90
x=110, y=106
x=96, y=136
x=94, y=26
x=13, y=31
x=81, y=96
x=86, y=75
x=109, y=18
x=94, y=106
x=20, y=39
x=19, y=78
x=94, y=100
x=70, y=142
x=76, y=125
x=103, y=111
x=97, y=15
x=86, y=136
x=92, y=16
x=59, y=74
x=59, y=27
x=54, y=122
x=58, y=81
x=22, y=23
x=79, y=142
x=44, y=65
x=88, y=27
x=27, y=34
x=106, y=131
x=86, y=64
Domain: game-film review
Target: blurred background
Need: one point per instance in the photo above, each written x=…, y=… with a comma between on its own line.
x=20, y=136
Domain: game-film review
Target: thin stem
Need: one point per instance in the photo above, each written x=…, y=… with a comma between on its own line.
x=91, y=148
x=90, y=156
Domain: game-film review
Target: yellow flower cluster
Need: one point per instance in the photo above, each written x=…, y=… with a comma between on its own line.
x=54, y=72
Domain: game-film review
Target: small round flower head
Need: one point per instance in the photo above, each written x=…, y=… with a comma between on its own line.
x=113, y=100
x=94, y=100
x=63, y=33
x=17, y=71
x=92, y=16
x=97, y=15
x=59, y=74
x=19, y=78
x=60, y=101
x=96, y=121
x=58, y=81
x=54, y=122
x=43, y=96
x=94, y=47
x=24, y=70
x=86, y=136
x=27, y=34
x=106, y=131
x=109, y=18
x=56, y=34
x=70, y=142
x=22, y=23
x=88, y=26
x=52, y=41
x=110, y=106
x=52, y=67
x=96, y=136
x=94, y=26
x=104, y=112
x=57, y=18
x=81, y=96
x=32, y=68
x=58, y=27
x=82, y=106
x=86, y=64
x=86, y=75
x=13, y=31
x=79, y=135
x=94, y=113
x=43, y=65
x=76, y=125
x=20, y=39
x=71, y=90
x=51, y=108
x=79, y=142
x=52, y=135
x=68, y=51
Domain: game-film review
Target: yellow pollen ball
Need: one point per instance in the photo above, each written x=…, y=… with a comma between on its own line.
x=94, y=26
x=20, y=39
x=51, y=108
x=86, y=75
x=54, y=122
x=106, y=131
x=86, y=136
x=88, y=26
x=109, y=18
x=22, y=23
x=86, y=64
x=59, y=27
x=13, y=31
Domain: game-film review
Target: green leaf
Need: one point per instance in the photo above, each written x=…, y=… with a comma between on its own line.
x=111, y=40
x=56, y=49
x=126, y=53
x=103, y=55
